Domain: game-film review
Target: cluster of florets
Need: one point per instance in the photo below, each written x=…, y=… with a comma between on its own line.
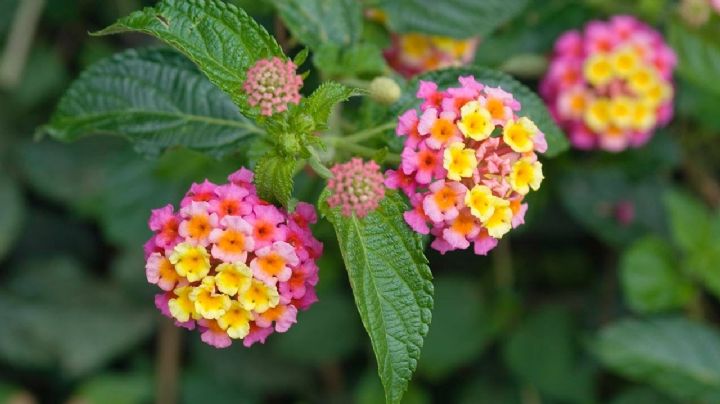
x=698, y=12
x=356, y=187
x=231, y=264
x=411, y=54
x=272, y=84
x=468, y=162
x=610, y=86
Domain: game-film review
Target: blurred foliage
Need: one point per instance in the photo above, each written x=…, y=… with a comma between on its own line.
x=608, y=294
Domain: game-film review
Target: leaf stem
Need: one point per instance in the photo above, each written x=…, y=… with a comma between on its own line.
x=502, y=265
x=366, y=134
x=168, y=363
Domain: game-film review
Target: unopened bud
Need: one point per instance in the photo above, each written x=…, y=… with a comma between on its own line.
x=384, y=90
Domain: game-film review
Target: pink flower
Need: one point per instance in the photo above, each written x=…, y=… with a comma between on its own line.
x=257, y=334
x=408, y=126
x=213, y=335
x=266, y=223
x=462, y=229
x=416, y=218
x=160, y=271
x=284, y=316
x=397, y=179
x=425, y=163
x=483, y=243
x=203, y=192
x=444, y=200
x=272, y=263
x=356, y=187
x=272, y=84
x=197, y=222
x=232, y=242
x=164, y=222
x=230, y=201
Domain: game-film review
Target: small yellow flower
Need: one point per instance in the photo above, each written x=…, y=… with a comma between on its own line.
x=643, y=116
x=459, y=161
x=526, y=174
x=236, y=321
x=259, y=297
x=415, y=45
x=598, y=70
x=658, y=93
x=620, y=111
x=476, y=122
x=181, y=307
x=643, y=80
x=191, y=261
x=500, y=222
x=519, y=134
x=482, y=202
x=209, y=304
x=233, y=278
x=597, y=115
x=625, y=61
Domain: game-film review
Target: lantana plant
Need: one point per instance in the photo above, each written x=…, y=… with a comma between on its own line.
x=238, y=260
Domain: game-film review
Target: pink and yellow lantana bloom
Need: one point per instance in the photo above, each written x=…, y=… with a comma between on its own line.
x=230, y=264
x=470, y=158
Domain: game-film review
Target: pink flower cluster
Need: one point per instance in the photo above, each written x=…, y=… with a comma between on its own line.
x=468, y=162
x=610, y=85
x=272, y=84
x=356, y=186
x=230, y=264
x=411, y=54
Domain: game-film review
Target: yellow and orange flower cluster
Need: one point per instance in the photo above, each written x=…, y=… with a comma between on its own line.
x=611, y=85
x=231, y=264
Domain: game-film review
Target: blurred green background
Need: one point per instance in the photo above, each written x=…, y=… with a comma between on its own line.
x=608, y=294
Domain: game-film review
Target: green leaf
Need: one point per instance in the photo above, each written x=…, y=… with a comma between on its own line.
x=217, y=36
x=11, y=214
x=651, y=278
x=532, y=105
x=318, y=22
x=392, y=285
x=274, y=177
x=438, y=360
x=689, y=220
x=453, y=18
x=320, y=103
x=675, y=355
x=156, y=99
x=641, y=395
x=54, y=317
x=116, y=388
x=698, y=55
x=362, y=60
x=542, y=352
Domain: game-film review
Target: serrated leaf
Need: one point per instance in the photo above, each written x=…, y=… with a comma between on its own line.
x=155, y=98
x=651, y=278
x=320, y=103
x=698, y=55
x=453, y=18
x=689, y=220
x=318, y=22
x=675, y=355
x=217, y=36
x=274, y=178
x=391, y=282
x=532, y=105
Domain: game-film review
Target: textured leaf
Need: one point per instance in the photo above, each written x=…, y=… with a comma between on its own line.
x=219, y=37
x=454, y=18
x=651, y=278
x=11, y=214
x=274, y=178
x=320, y=103
x=319, y=22
x=392, y=285
x=532, y=105
x=677, y=356
x=156, y=99
x=698, y=55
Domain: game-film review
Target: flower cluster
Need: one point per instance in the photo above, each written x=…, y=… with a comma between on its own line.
x=356, y=186
x=468, y=162
x=610, y=86
x=272, y=84
x=411, y=54
x=231, y=264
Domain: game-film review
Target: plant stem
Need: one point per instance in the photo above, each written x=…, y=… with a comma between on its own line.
x=19, y=42
x=366, y=134
x=502, y=265
x=168, y=363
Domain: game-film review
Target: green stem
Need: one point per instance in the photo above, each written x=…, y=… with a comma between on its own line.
x=364, y=151
x=366, y=134
x=502, y=265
